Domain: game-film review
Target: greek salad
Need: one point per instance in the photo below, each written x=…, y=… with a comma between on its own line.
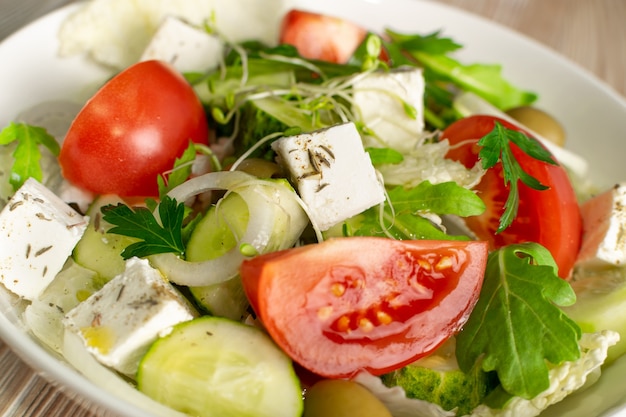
x=310, y=220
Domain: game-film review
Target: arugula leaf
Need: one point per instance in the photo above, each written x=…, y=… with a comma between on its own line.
x=27, y=154
x=485, y=80
x=517, y=326
x=179, y=173
x=156, y=237
x=432, y=43
x=380, y=156
x=405, y=219
x=495, y=147
x=443, y=198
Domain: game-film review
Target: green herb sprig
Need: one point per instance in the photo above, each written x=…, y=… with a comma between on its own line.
x=496, y=147
x=156, y=236
x=27, y=153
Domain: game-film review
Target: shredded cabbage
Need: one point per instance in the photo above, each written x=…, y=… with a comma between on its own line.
x=564, y=380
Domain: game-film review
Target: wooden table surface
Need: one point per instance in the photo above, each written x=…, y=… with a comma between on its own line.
x=591, y=33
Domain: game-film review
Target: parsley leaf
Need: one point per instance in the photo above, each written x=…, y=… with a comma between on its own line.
x=27, y=154
x=155, y=237
x=517, y=326
x=496, y=146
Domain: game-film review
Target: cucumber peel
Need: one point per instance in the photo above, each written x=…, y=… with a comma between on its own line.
x=215, y=367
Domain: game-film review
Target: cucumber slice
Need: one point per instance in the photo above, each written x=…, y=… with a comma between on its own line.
x=98, y=250
x=218, y=231
x=215, y=367
x=601, y=304
x=214, y=235
x=226, y=299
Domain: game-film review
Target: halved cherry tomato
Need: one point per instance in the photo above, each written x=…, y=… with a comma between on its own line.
x=550, y=217
x=323, y=37
x=364, y=303
x=131, y=130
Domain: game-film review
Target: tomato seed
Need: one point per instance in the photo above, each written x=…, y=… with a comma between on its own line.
x=383, y=318
x=366, y=325
x=444, y=263
x=338, y=289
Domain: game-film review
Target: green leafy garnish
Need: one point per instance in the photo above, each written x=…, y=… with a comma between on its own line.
x=155, y=236
x=380, y=156
x=27, y=154
x=433, y=43
x=517, y=327
x=180, y=172
x=442, y=198
x=496, y=147
x=432, y=52
x=406, y=216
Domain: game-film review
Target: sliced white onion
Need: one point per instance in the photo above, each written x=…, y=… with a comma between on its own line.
x=262, y=218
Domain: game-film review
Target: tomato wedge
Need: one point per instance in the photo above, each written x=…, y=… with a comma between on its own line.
x=132, y=130
x=364, y=303
x=550, y=217
x=322, y=37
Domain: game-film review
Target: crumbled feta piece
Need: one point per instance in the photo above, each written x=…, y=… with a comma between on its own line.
x=604, y=222
x=119, y=322
x=38, y=232
x=184, y=46
x=332, y=172
x=381, y=99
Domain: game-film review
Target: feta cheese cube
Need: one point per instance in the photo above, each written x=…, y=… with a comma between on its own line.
x=118, y=323
x=604, y=223
x=380, y=99
x=38, y=232
x=332, y=172
x=185, y=47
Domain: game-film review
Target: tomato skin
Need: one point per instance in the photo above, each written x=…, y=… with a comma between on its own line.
x=131, y=130
x=550, y=217
x=364, y=303
x=322, y=37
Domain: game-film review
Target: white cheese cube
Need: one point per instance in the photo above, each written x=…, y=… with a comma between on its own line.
x=380, y=99
x=604, y=223
x=332, y=172
x=38, y=232
x=119, y=322
x=185, y=47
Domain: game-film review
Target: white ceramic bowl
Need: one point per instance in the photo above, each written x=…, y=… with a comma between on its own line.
x=575, y=97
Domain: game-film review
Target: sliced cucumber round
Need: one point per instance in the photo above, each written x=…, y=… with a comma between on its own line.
x=215, y=367
x=219, y=230
x=98, y=250
x=214, y=235
x=601, y=304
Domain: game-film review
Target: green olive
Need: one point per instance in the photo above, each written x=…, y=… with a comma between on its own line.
x=540, y=122
x=260, y=168
x=342, y=398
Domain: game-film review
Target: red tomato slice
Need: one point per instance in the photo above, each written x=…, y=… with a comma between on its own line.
x=318, y=36
x=550, y=217
x=131, y=130
x=364, y=303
